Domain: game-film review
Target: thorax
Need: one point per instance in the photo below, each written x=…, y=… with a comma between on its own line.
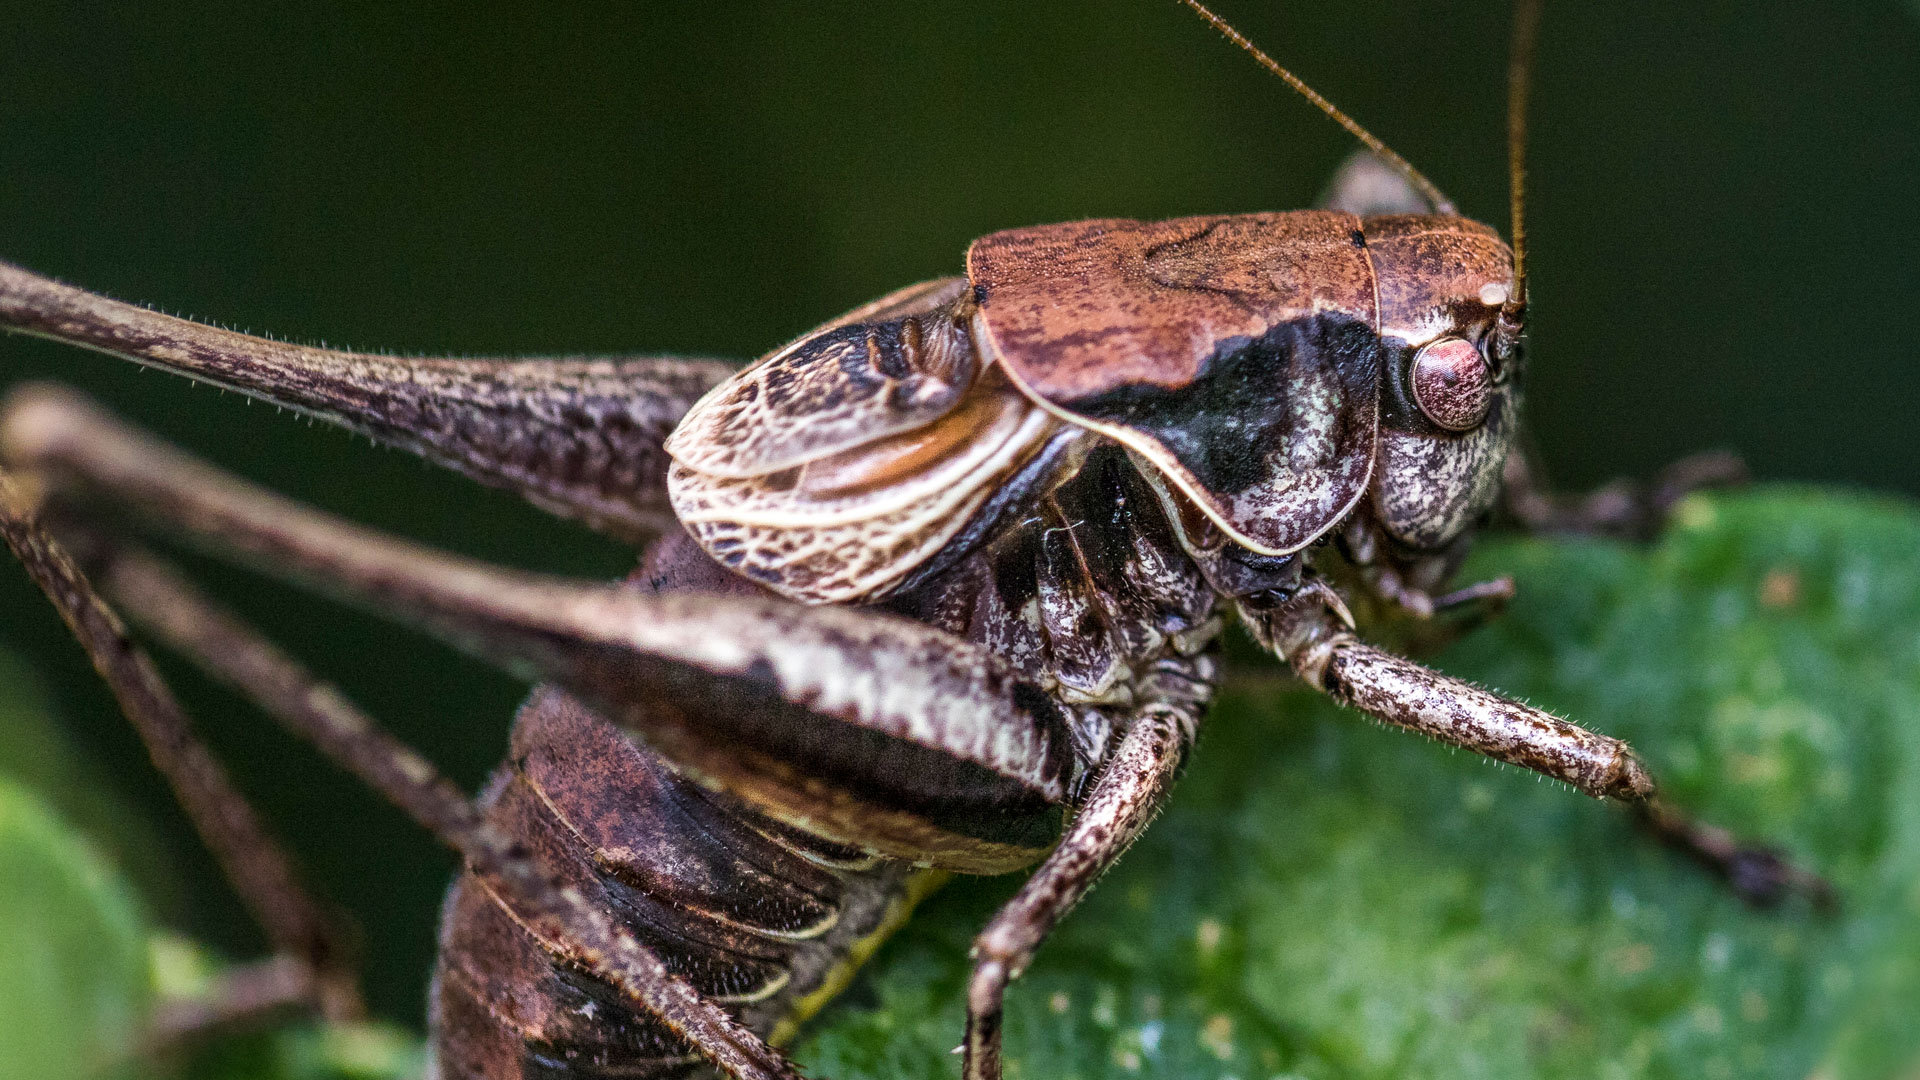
x=1090, y=596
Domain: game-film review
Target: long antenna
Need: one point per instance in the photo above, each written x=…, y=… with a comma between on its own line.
x=1526, y=28
x=1440, y=203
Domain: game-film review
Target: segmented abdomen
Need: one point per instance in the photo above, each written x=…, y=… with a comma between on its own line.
x=760, y=916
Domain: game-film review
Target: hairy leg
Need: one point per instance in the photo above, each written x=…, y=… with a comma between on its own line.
x=579, y=437
x=1121, y=803
x=1312, y=633
x=919, y=711
x=847, y=721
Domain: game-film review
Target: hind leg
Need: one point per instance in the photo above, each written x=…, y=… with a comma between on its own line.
x=861, y=728
x=165, y=604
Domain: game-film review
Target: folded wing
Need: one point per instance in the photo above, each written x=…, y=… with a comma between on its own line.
x=841, y=464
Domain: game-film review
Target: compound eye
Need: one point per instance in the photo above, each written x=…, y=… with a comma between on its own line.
x=1452, y=384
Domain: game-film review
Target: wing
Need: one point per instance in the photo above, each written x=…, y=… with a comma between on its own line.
x=895, y=365
x=849, y=459
x=1239, y=355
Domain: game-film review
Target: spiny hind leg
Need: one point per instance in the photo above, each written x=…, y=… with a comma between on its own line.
x=864, y=728
x=312, y=965
x=580, y=437
x=1312, y=634
x=910, y=741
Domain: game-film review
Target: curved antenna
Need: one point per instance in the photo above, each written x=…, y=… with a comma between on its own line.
x=1440, y=203
x=1526, y=28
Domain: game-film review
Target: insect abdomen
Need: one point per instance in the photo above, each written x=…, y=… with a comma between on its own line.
x=759, y=916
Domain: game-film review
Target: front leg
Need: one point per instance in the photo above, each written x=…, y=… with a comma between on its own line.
x=1127, y=796
x=1312, y=633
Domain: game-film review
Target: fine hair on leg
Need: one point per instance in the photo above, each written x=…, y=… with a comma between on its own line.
x=1123, y=800
x=579, y=437
x=1313, y=634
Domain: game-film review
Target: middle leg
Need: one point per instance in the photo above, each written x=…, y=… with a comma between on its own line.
x=1121, y=803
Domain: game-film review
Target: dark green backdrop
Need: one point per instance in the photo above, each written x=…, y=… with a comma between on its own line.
x=1724, y=218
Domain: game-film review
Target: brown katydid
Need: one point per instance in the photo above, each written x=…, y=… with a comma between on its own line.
x=938, y=590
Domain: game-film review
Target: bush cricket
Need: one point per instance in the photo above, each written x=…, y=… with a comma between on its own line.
x=936, y=588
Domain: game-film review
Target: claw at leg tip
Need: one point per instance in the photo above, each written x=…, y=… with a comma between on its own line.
x=1631, y=782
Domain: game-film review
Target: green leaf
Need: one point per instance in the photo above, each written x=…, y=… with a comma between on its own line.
x=299, y=1050
x=35, y=752
x=1327, y=898
x=79, y=966
x=309, y=1051
x=73, y=960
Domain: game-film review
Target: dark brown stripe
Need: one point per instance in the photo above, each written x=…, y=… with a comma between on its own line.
x=627, y=806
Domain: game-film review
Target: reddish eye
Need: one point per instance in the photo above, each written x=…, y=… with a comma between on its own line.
x=1451, y=384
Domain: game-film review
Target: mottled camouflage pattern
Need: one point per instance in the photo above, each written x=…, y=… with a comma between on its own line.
x=1257, y=363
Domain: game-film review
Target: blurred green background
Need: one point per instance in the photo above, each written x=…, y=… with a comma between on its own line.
x=1723, y=216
